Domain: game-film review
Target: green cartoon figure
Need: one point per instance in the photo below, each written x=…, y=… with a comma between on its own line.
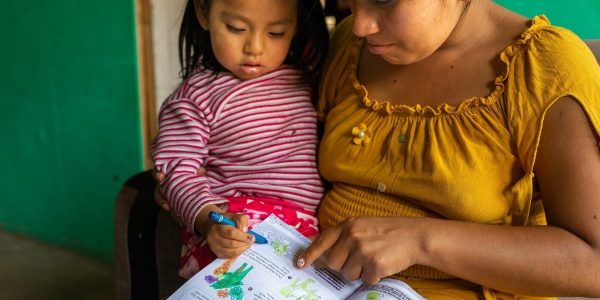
x=303, y=288
x=280, y=247
x=373, y=296
x=233, y=281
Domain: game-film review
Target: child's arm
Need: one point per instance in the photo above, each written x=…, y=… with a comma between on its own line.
x=178, y=151
x=216, y=235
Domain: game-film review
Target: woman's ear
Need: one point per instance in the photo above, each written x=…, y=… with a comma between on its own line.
x=202, y=14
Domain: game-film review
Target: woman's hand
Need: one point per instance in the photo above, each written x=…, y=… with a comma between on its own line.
x=160, y=199
x=368, y=248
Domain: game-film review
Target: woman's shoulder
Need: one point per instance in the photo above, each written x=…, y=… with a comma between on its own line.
x=547, y=63
x=550, y=46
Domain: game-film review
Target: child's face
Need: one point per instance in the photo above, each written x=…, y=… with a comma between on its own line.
x=250, y=37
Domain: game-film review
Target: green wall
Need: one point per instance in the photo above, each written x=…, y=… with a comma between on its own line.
x=69, y=121
x=580, y=16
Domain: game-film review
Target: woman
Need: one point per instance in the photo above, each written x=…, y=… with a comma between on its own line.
x=433, y=141
x=463, y=154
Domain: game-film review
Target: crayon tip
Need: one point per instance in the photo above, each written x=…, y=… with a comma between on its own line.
x=261, y=240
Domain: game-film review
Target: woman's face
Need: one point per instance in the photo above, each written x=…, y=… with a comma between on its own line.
x=405, y=31
x=250, y=37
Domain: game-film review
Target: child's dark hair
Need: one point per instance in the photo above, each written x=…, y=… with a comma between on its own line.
x=307, y=50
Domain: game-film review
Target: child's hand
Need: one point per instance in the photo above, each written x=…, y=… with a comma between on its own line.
x=228, y=241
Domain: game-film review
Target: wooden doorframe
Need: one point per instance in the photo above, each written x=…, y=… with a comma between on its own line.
x=146, y=78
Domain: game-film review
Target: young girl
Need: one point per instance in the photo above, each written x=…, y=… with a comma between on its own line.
x=243, y=112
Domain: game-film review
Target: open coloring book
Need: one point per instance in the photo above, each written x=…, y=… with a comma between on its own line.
x=267, y=272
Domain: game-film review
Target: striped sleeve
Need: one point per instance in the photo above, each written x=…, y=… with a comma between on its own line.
x=179, y=150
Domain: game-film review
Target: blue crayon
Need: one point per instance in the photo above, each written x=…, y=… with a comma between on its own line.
x=222, y=220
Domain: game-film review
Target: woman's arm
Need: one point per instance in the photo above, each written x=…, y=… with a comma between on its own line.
x=562, y=258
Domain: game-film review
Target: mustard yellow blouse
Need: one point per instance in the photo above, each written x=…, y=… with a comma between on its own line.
x=473, y=162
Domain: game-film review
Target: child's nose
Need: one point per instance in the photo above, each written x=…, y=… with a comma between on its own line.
x=254, y=45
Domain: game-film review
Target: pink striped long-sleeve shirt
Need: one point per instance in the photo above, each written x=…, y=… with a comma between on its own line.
x=255, y=138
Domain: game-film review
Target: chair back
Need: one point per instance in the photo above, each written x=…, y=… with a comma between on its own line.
x=595, y=46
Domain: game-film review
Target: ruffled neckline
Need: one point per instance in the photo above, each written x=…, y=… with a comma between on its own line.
x=506, y=55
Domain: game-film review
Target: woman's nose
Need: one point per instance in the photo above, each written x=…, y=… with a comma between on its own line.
x=254, y=45
x=365, y=22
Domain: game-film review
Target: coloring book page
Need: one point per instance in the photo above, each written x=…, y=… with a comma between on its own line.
x=267, y=272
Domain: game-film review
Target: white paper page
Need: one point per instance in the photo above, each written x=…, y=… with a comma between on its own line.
x=267, y=272
x=387, y=289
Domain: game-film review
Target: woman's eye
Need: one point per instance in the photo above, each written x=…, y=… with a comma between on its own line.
x=233, y=29
x=385, y=3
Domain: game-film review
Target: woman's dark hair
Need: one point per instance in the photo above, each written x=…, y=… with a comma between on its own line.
x=307, y=50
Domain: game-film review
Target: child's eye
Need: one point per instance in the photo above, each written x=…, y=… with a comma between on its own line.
x=234, y=29
x=276, y=34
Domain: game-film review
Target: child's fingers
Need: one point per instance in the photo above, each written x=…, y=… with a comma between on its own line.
x=232, y=237
x=228, y=241
x=240, y=220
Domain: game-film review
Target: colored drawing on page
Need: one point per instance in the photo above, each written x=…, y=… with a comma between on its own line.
x=219, y=271
x=280, y=247
x=223, y=267
x=301, y=291
x=223, y=293
x=228, y=285
x=232, y=279
x=235, y=293
x=210, y=279
x=373, y=296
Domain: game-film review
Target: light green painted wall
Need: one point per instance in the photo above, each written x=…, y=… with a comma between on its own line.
x=69, y=121
x=580, y=16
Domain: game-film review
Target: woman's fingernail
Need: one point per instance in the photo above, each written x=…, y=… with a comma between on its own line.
x=245, y=229
x=300, y=262
x=250, y=237
x=164, y=206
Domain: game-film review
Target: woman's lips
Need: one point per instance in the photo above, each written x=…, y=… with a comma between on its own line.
x=377, y=49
